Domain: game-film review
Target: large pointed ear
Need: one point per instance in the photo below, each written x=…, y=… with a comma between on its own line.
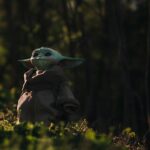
x=68, y=62
x=26, y=62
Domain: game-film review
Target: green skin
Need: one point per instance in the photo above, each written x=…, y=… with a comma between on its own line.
x=45, y=58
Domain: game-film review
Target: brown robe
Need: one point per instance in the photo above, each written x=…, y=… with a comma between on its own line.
x=46, y=97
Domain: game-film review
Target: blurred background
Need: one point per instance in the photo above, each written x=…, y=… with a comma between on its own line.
x=113, y=84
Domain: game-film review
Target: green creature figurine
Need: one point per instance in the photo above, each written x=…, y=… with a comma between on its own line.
x=46, y=96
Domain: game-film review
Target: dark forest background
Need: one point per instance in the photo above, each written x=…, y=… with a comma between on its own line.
x=113, y=36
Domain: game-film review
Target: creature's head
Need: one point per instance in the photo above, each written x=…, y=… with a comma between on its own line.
x=44, y=58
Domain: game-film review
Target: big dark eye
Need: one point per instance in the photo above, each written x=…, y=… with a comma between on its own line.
x=48, y=54
x=35, y=54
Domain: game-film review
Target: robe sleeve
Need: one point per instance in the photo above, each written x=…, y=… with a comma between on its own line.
x=68, y=103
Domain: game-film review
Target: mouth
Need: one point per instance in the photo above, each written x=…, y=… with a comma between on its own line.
x=39, y=60
x=49, y=61
x=42, y=63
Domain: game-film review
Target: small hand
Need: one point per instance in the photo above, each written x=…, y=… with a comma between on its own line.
x=38, y=73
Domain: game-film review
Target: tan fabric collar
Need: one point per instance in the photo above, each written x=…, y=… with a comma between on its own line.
x=41, y=79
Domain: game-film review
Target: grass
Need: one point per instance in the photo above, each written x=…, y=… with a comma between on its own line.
x=70, y=136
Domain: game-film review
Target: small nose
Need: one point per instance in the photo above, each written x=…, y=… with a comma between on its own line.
x=40, y=55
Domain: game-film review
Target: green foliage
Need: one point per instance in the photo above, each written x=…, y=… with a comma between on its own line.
x=75, y=135
x=129, y=139
x=7, y=96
